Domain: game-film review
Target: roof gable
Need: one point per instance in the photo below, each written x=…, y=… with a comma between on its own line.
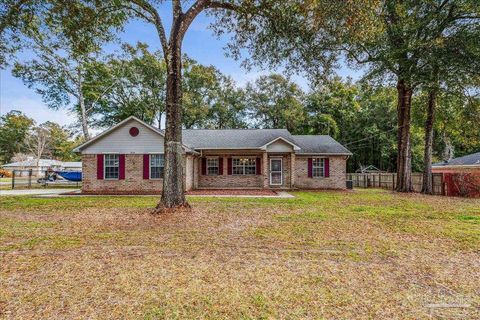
x=278, y=144
x=118, y=139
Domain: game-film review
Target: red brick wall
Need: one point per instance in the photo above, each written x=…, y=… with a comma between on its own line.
x=133, y=183
x=337, y=179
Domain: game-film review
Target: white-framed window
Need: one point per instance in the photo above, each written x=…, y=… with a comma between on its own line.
x=212, y=166
x=111, y=164
x=244, y=166
x=318, y=167
x=156, y=166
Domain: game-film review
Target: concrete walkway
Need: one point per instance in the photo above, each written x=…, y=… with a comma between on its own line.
x=34, y=192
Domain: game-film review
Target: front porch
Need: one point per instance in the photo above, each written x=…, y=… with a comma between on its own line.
x=244, y=169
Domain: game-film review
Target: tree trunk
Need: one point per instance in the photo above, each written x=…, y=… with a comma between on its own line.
x=160, y=120
x=427, y=185
x=81, y=102
x=404, y=152
x=173, y=195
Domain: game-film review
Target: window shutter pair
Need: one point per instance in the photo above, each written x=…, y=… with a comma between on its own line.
x=121, y=166
x=258, y=168
x=327, y=167
x=204, y=166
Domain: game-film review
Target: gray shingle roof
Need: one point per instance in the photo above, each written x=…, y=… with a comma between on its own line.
x=232, y=138
x=319, y=144
x=468, y=160
x=242, y=139
x=256, y=138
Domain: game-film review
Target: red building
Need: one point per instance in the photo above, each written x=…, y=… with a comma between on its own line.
x=461, y=175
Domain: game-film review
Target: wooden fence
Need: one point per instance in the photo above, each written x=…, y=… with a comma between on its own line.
x=389, y=180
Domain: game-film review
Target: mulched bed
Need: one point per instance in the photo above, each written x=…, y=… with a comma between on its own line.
x=233, y=192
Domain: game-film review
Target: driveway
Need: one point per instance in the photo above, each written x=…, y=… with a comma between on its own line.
x=29, y=192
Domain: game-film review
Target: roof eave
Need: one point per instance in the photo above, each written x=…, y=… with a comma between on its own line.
x=457, y=166
x=225, y=148
x=324, y=154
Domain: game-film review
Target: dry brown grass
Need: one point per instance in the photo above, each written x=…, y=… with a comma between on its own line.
x=362, y=255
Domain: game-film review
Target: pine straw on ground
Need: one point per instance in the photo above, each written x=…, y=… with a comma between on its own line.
x=360, y=255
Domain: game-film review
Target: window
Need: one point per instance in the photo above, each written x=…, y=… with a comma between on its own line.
x=111, y=164
x=244, y=166
x=156, y=166
x=318, y=167
x=212, y=166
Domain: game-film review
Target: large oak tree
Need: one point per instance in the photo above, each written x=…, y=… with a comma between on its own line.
x=252, y=23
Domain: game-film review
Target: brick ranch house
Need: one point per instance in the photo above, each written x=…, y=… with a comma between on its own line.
x=128, y=159
x=461, y=176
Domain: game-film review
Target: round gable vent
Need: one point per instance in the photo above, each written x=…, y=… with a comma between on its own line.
x=134, y=131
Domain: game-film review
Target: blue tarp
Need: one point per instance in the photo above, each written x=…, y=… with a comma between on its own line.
x=70, y=175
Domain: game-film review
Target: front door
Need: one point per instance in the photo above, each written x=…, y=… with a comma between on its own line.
x=276, y=171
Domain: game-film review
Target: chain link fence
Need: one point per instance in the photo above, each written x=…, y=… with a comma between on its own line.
x=27, y=179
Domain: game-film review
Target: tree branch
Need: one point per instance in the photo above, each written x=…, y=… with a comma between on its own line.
x=177, y=9
x=157, y=21
x=12, y=12
x=223, y=5
x=190, y=15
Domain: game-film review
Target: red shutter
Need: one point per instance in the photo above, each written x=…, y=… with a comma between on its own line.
x=121, y=167
x=310, y=166
x=229, y=166
x=204, y=166
x=258, y=163
x=100, y=166
x=220, y=166
x=146, y=166
x=327, y=167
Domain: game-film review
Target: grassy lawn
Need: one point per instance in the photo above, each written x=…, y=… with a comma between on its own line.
x=364, y=254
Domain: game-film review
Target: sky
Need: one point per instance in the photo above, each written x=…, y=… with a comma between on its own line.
x=199, y=43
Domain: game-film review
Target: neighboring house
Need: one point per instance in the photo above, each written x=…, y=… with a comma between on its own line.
x=368, y=169
x=469, y=162
x=72, y=165
x=461, y=175
x=38, y=167
x=128, y=158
